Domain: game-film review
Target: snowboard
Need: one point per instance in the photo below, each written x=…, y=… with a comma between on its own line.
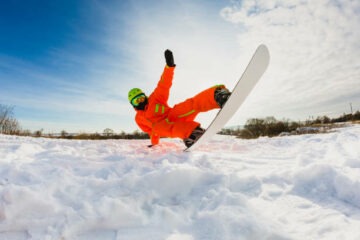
x=253, y=72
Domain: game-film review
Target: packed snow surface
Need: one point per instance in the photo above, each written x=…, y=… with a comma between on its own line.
x=294, y=187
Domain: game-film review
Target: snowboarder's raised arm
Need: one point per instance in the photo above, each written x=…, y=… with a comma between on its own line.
x=161, y=92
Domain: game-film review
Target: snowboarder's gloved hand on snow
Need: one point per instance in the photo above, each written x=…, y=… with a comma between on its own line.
x=169, y=58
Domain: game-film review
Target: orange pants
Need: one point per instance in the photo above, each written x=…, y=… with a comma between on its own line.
x=180, y=119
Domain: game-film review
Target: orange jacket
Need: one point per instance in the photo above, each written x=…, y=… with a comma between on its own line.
x=159, y=120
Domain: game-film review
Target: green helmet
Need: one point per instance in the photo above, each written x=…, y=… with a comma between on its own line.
x=133, y=93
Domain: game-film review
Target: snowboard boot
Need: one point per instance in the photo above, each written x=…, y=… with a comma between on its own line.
x=194, y=136
x=221, y=95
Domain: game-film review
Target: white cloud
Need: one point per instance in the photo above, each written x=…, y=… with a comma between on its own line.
x=204, y=48
x=314, y=47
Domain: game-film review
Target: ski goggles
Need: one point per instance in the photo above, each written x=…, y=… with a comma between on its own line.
x=138, y=99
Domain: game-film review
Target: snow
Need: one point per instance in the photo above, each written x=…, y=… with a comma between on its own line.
x=292, y=187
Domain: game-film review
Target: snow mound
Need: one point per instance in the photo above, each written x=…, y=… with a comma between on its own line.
x=293, y=187
x=323, y=182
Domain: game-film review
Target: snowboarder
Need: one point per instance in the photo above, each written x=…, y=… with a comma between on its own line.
x=155, y=117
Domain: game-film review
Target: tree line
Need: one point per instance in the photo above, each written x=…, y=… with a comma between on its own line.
x=107, y=134
x=271, y=127
x=254, y=127
x=9, y=125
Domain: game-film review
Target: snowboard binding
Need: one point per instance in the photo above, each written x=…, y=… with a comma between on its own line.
x=194, y=136
x=221, y=95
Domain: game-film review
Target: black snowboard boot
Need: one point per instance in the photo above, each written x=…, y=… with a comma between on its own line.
x=194, y=136
x=221, y=95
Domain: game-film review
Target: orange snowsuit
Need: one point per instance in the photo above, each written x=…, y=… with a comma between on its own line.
x=160, y=120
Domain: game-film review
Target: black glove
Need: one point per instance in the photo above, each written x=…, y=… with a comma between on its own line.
x=169, y=58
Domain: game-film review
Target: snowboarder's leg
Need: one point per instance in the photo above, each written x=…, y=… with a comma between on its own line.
x=180, y=121
x=194, y=136
x=179, y=129
x=188, y=110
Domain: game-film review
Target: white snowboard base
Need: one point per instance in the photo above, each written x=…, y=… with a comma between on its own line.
x=253, y=72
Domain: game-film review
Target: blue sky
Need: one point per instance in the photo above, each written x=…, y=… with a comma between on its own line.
x=69, y=64
x=50, y=53
x=43, y=48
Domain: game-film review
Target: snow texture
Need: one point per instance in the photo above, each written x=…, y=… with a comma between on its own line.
x=293, y=187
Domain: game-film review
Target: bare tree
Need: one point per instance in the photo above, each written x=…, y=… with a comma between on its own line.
x=10, y=126
x=38, y=133
x=8, y=123
x=108, y=132
x=64, y=134
x=25, y=132
x=5, y=113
